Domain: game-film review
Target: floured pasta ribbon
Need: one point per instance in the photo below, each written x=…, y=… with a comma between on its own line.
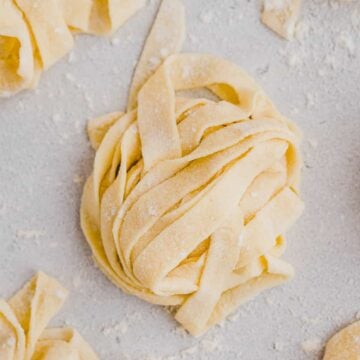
x=34, y=34
x=189, y=198
x=345, y=345
x=281, y=16
x=24, y=317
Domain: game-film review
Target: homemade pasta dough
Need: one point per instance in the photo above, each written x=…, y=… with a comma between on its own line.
x=24, y=317
x=189, y=197
x=345, y=345
x=34, y=34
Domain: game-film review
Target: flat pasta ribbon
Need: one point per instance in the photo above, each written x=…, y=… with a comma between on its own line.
x=24, y=317
x=189, y=197
x=34, y=34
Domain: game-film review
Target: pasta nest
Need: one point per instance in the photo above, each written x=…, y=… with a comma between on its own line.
x=189, y=197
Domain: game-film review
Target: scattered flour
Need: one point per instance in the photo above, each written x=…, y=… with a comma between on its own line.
x=89, y=101
x=279, y=346
x=270, y=5
x=193, y=39
x=152, y=211
x=189, y=351
x=72, y=58
x=206, y=17
x=29, y=234
x=77, y=179
x=154, y=62
x=164, y=52
x=313, y=143
x=70, y=77
x=56, y=118
x=302, y=30
x=346, y=41
x=211, y=345
x=310, y=100
x=77, y=281
x=311, y=346
x=60, y=294
x=294, y=60
x=115, y=329
x=115, y=41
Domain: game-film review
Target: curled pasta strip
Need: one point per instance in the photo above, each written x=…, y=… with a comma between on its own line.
x=189, y=197
x=24, y=317
x=34, y=34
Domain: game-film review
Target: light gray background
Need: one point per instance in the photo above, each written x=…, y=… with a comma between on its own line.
x=45, y=157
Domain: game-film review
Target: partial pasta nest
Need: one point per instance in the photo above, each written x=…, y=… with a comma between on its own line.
x=23, y=322
x=34, y=34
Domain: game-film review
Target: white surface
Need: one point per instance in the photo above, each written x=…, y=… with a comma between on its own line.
x=44, y=152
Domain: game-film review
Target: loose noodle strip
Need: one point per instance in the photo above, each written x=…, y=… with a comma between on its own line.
x=35, y=34
x=281, y=16
x=23, y=320
x=189, y=198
